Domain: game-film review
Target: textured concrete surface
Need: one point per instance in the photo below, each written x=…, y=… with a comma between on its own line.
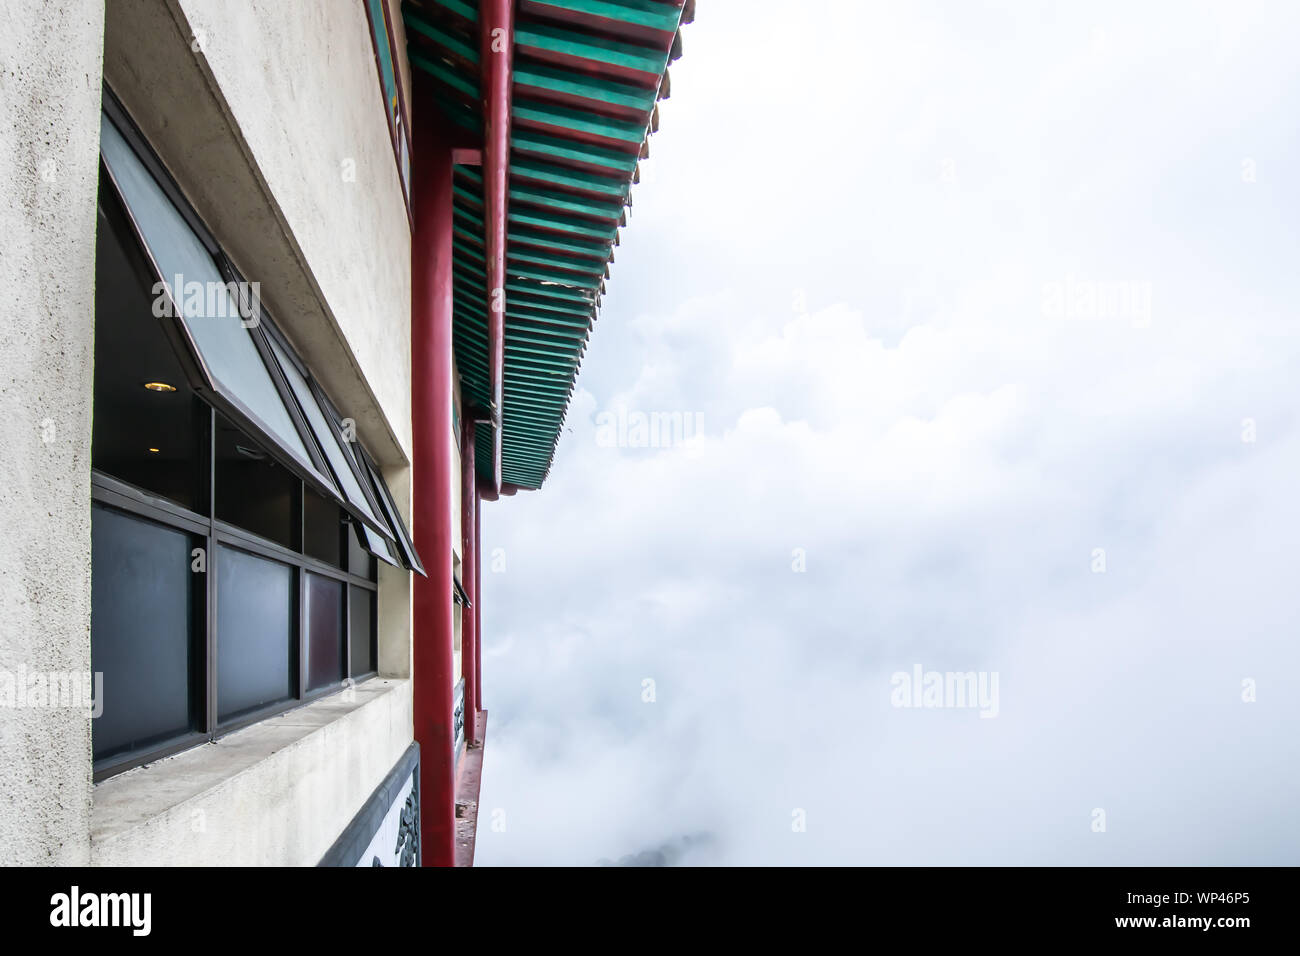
x=469, y=779
x=277, y=793
x=50, y=59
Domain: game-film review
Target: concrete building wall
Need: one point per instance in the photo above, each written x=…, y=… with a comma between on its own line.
x=270, y=118
x=301, y=84
x=50, y=61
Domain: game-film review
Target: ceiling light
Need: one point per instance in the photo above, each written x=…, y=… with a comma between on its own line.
x=159, y=387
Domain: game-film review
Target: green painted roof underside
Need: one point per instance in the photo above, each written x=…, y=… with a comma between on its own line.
x=587, y=75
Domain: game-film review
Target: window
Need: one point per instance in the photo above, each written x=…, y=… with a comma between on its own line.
x=390, y=84
x=328, y=431
x=361, y=630
x=148, y=421
x=409, y=558
x=234, y=528
x=325, y=631
x=148, y=660
x=359, y=556
x=323, y=526
x=214, y=320
x=255, y=632
x=458, y=719
x=253, y=491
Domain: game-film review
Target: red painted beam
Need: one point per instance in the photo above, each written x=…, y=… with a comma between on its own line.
x=432, y=475
x=468, y=579
x=496, y=45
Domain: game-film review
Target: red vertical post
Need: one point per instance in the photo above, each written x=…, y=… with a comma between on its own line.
x=496, y=47
x=469, y=561
x=432, y=489
x=478, y=613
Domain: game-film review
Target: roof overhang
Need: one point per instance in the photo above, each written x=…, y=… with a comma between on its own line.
x=586, y=77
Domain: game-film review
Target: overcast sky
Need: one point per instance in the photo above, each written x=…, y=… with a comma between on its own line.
x=971, y=300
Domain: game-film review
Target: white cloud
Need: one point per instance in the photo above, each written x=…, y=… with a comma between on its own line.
x=944, y=456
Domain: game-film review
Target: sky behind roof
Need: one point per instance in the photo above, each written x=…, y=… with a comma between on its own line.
x=986, y=314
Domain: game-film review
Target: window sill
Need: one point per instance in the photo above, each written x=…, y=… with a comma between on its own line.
x=276, y=793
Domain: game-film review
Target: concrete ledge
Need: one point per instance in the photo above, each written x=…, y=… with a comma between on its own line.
x=275, y=794
x=468, y=780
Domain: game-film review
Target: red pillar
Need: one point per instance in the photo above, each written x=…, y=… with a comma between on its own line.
x=478, y=613
x=469, y=562
x=496, y=48
x=432, y=489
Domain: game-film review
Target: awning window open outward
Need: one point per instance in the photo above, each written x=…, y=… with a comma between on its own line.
x=326, y=437
x=458, y=594
x=388, y=508
x=238, y=361
x=208, y=315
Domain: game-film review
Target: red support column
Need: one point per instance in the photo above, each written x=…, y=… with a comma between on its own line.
x=469, y=562
x=496, y=48
x=432, y=477
x=478, y=613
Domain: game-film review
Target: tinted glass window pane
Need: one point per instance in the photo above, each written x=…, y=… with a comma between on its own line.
x=361, y=613
x=256, y=665
x=359, y=560
x=210, y=313
x=380, y=547
x=325, y=436
x=147, y=422
x=389, y=508
x=141, y=630
x=323, y=629
x=253, y=490
x=322, y=528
